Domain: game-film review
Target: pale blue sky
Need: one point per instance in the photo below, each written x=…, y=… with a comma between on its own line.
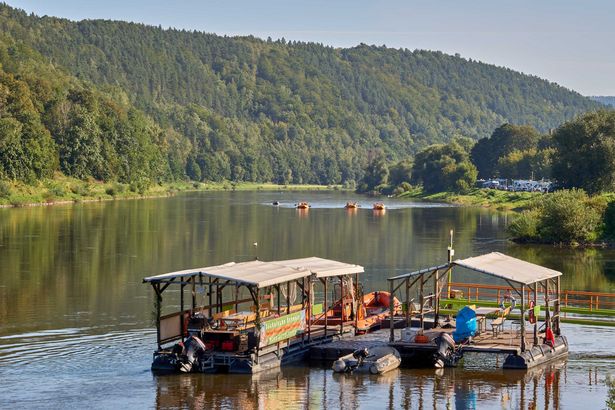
x=568, y=42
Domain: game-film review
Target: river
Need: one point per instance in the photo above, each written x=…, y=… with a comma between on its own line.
x=76, y=324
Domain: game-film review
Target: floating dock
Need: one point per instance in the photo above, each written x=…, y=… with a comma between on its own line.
x=414, y=355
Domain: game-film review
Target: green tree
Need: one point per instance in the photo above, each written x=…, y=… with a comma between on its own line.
x=400, y=172
x=503, y=141
x=444, y=167
x=376, y=173
x=585, y=152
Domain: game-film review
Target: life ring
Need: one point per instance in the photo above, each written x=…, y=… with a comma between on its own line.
x=532, y=316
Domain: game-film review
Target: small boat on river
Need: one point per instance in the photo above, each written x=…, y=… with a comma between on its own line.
x=351, y=205
x=379, y=206
x=303, y=205
x=374, y=360
x=374, y=309
x=370, y=312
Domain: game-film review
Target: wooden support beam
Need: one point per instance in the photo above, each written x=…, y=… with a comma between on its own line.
x=522, y=318
x=357, y=302
x=536, y=317
x=422, y=301
x=436, y=290
x=181, y=309
x=391, y=312
x=156, y=287
x=165, y=286
x=557, y=307
x=193, y=295
x=277, y=288
x=210, y=294
x=408, y=313
x=257, y=323
x=287, y=297
x=325, y=304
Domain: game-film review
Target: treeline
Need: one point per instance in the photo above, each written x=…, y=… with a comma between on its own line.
x=578, y=154
x=51, y=122
x=115, y=100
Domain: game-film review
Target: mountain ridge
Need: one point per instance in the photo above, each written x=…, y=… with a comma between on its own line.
x=259, y=110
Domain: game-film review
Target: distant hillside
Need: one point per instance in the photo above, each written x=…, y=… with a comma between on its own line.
x=605, y=100
x=246, y=109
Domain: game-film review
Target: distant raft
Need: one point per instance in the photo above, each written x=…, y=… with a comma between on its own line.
x=351, y=205
x=379, y=206
x=374, y=360
x=303, y=205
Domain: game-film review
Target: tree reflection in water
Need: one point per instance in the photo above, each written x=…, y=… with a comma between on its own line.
x=318, y=387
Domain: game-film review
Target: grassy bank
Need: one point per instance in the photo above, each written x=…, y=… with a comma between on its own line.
x=491, y=198
x=61, y=190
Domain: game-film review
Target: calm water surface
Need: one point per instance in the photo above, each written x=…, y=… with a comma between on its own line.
x=76, y=322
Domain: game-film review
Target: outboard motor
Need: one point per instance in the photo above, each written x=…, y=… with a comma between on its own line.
x=446, y=353
x=347, y=366
x=193, y=349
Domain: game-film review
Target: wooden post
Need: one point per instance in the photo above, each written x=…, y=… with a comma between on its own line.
x=422, y=301
x=288, y=297
x=277, y=287
x=325, y=305
x=181, y=309
x=237, y=297
x=391, y=311
x=307, y=318
x=193, y=295
x=547, y=313
x=156, y=287
x=310, y=289
x=523, y=318
x=257, y=323
x=557, y=306
x=357, y=302
x=342, y=307
x=536, y=318
x=436, y=291
x=211, y=301
x=408, y=313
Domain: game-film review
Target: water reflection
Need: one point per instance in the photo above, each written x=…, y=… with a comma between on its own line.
x=70, y=287
x=301, y=388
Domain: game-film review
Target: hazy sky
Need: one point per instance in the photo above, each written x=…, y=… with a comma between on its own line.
x=568, y=42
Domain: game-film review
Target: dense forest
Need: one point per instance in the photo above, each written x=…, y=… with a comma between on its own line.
x=606, y=100
x=140, y=104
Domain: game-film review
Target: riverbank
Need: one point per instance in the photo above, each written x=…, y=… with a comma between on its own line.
x=488, y=198
x=64, y=190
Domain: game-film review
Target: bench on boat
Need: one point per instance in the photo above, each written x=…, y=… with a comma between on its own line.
x=497, y=324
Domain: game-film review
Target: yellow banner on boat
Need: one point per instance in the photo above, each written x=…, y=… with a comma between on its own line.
x=282, y=328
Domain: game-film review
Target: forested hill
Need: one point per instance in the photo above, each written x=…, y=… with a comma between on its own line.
x=246, y=109
x=606, y=100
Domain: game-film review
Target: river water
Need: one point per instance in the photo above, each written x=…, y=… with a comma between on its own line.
x=76, y=323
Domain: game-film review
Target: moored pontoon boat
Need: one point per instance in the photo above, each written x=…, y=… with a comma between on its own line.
x=253, y=315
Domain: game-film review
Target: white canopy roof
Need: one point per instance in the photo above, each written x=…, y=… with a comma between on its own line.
x=322, y=268
x=509, y=268
x=257, y=273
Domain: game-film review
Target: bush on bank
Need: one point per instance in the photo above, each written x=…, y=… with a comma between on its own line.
x=566, y=216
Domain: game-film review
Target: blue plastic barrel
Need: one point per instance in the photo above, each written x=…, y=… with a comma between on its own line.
x=466, y=324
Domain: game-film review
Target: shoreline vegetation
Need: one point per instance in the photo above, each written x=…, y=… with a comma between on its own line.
x=65, y=190
x=478, y=197
x=564, y=218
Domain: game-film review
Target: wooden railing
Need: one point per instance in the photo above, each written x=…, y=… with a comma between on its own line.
x=473, y=292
